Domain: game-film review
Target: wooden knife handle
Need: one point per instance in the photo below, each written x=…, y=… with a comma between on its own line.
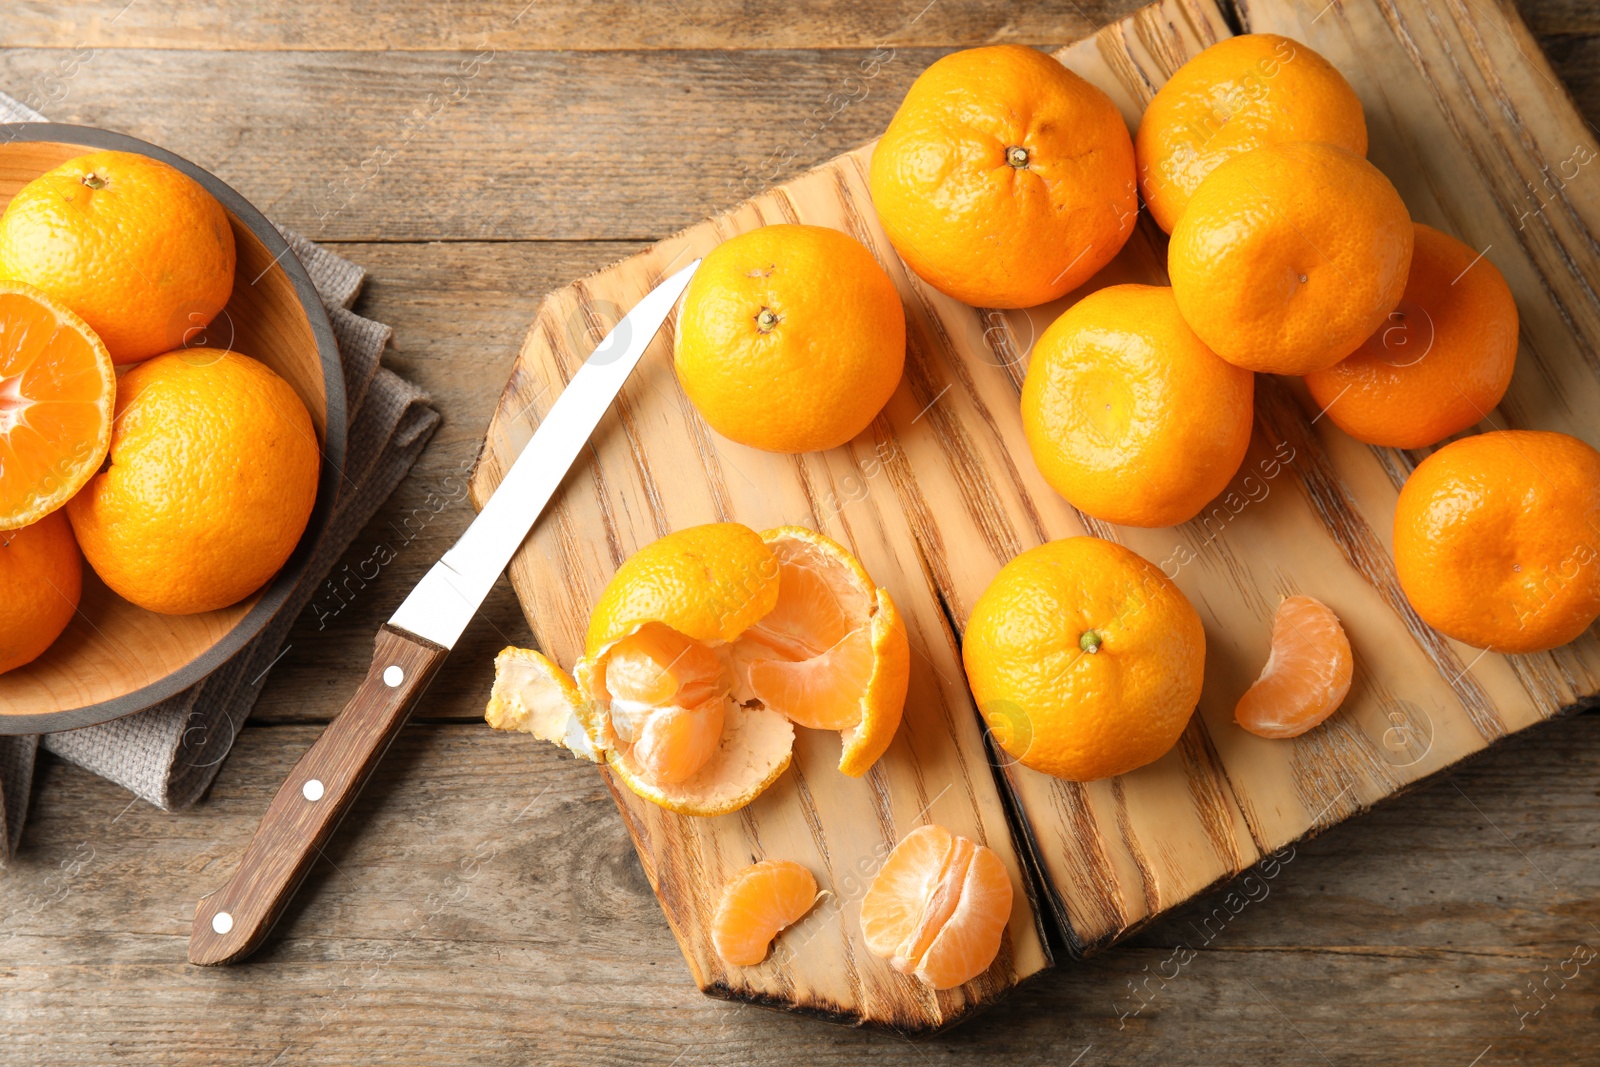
x=232, y=922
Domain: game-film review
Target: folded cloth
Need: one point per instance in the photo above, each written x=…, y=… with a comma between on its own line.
x=169, y=753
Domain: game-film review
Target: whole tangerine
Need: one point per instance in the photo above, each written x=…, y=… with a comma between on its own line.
x=140, y=250
x=41, y=578
x=1005, y=180
x=1084, y=658
x=1129, y=415
x=791, y=338
x=212, y=477
x=1439, y=364
x=1497, y=539
x=1289, y=256
x=1239, y=94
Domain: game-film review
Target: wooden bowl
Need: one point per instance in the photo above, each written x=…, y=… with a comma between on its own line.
x=115, y=659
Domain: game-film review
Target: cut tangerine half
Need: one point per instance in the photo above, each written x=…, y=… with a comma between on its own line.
x=939, y=907
x=1307, y=673
x=57, y=393
x=704, y=651
x=761, y=901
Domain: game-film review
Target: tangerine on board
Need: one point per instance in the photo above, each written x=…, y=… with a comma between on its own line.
x=1497, y=539
x=1004, y=179
x=1239, y=94
x=1289, y=256
x=1129, y=415
x=756, y=905
x=939, y=907
x=1439, y=364
x=1084, y=658
x=791, y=338
x=137, y=248
x=1307, y=674
x=704, y=651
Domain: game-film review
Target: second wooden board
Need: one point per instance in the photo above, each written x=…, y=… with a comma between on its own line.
x=941, y=491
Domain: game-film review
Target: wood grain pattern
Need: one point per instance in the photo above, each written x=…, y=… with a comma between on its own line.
x=484, y=906
x=233, y=921
x=1309, y=513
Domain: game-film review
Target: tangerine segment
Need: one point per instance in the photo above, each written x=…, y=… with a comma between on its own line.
x=41, y=577
x=833, y=653
x=532, y=695
x=939, y=907
x=57, y=393
x=1307, y=674
x=1289, y=256
x=1441, y=361
x=758, y=903
x=667, y=696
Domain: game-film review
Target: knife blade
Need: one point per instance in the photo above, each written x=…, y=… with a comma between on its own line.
x=232, y=922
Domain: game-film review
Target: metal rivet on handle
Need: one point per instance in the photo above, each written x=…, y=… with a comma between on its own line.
x=393, y=675
x=312, y=790
x=222, y=922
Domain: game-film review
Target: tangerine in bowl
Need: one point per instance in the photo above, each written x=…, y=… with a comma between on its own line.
x=234, y=301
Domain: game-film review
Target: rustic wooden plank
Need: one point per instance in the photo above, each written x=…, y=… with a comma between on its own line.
x=655, y=469
x=606, y=146
x=1309, y=512
x=483, y=905
x=368, y=145
x=415, y=25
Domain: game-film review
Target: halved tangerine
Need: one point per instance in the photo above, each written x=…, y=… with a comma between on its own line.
x=939, y=907
x=1307, y=674
x=57, y=393
x=761, y=901
x=702, y=650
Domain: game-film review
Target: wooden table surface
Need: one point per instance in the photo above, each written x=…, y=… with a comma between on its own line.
x=483, y=904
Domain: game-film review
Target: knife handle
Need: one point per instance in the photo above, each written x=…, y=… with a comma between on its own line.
x=232, y=922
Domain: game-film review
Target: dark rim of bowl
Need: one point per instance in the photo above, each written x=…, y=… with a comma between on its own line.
x=333, y=446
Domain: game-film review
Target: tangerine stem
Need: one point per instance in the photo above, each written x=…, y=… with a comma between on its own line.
x=1017, y=156
x=766, y=320
x=1090, y=641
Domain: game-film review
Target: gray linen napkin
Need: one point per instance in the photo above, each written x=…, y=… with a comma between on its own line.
x=169, y=753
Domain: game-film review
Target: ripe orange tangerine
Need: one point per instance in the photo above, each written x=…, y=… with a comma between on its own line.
x=1239, y=94
x=57, y=393
x=704, y=651
x=1442, y=360
x=41, y=578
x=756, y=905
x=1307, y=674
x=1289, y=256
x=939, y=907
x=1004, y=179
x=136, y=247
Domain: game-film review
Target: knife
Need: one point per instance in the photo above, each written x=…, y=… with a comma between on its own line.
x=411, y=647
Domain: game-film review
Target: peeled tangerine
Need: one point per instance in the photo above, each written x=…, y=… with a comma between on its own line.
x=703, y=649
x=761, y=900
x=939, y=907
x=1307, y=673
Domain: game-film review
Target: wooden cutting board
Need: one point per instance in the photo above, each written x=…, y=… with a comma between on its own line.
x=1467, y=119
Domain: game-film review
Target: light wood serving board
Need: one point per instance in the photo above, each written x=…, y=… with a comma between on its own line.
x=1467, y=119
